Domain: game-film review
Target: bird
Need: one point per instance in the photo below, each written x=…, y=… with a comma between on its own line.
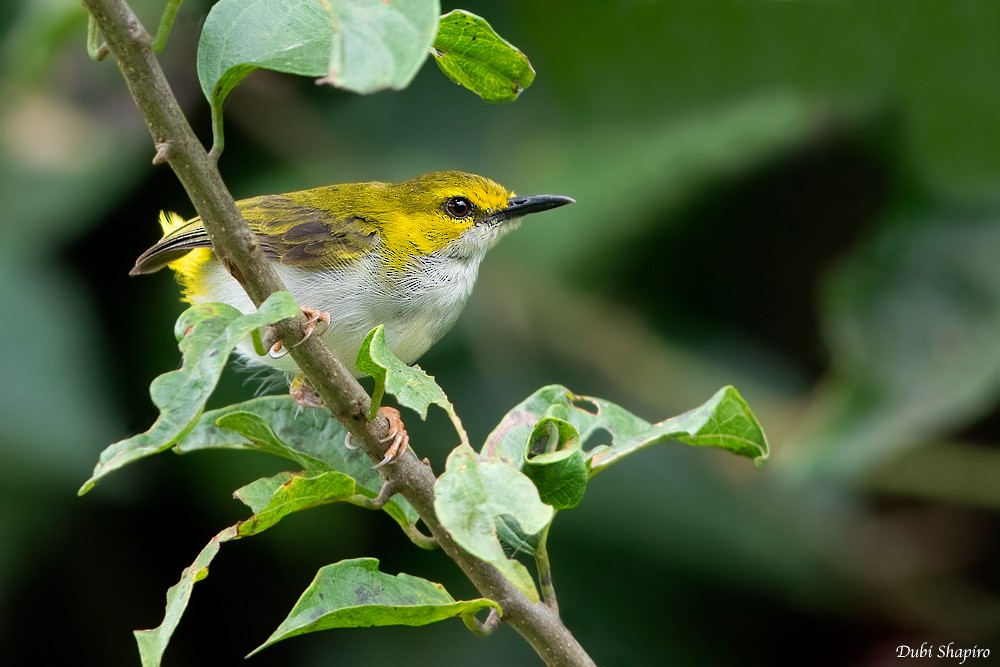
x=357, y=255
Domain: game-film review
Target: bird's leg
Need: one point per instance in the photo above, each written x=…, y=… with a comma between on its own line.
x=313, y=316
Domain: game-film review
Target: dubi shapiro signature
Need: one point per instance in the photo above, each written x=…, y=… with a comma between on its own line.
x=949, y=650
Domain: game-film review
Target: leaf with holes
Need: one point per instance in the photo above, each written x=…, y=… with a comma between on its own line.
x=724, y=421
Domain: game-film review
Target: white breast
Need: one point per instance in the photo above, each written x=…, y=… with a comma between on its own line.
x=417, y=307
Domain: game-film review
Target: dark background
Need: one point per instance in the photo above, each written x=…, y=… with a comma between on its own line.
x=797, y=198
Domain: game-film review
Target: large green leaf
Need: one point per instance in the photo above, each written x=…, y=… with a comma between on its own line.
x=473, y=55
x=359, y=45
x=354, y=594
x=311, y=438
x=208, y=333
x=240, y=36
x=379, y=45
x=474, y=494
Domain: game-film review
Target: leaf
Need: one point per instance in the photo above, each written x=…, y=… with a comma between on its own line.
x=412, y=387
x=258, y=431
x=274, y=498
x=208, y=333
x=359, y=45
x=152, y=643
x=473, y=494
x=240, y=36
x=380, y=44
x=725, y=421
x=354, y=594
x=473, y=55
x=311, y=438
x=554, y=462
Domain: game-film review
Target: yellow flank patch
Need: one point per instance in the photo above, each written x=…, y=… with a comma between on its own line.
x=189, y=271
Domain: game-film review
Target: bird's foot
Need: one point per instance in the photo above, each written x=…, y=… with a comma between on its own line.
x=398, y=438
x=314, y=317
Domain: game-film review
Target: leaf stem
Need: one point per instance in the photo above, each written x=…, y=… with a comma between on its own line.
x=483, y=628
x=166, y=23
x=97, y=48
x=545, y=570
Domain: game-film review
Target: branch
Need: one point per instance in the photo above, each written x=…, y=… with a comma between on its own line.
x=236, y=247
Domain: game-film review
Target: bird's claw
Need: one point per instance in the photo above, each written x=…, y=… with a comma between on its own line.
x=398, y=436
x=313, y=318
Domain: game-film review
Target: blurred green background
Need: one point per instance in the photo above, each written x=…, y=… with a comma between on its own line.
x=798, y=198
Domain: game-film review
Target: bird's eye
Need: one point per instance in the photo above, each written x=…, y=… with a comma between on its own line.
x=458, y=207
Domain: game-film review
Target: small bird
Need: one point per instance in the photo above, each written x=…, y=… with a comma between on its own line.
x=356, y=255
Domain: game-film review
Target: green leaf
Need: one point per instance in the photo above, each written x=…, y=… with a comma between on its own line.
x=473, y=55
x=412, y=387
x=472, y=495
x=311, y=438
x=240, y=36
x=354, y=594
x=380, y=44
x=259, y=432
x=274, y=498
x=359, y=45
x=725, y=421
x=152, y=643
x=554, y=462
x=508, y=440
x=208, y=333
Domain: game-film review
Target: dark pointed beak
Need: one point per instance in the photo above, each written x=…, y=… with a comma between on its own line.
x=521, y=206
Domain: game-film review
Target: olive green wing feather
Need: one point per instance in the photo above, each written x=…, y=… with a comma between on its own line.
x=287, y=231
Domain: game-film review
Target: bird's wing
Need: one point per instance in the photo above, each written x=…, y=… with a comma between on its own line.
x=288, y=232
